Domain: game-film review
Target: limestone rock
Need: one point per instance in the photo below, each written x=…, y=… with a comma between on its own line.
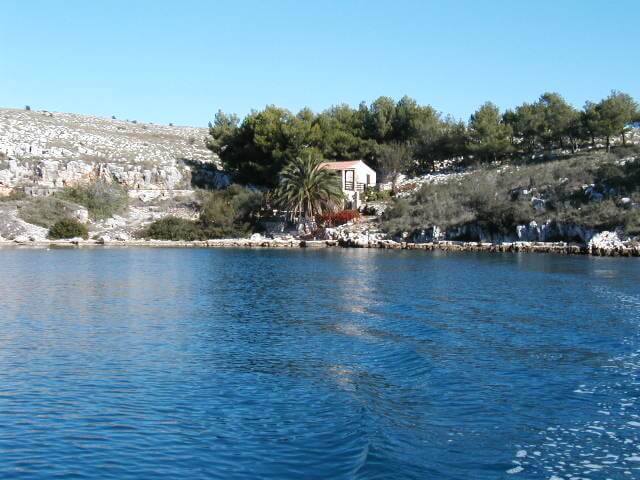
x=82, y=215
x=605, y=240
x=63, y=150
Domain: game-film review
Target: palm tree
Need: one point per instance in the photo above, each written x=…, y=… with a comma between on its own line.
x=307, y=189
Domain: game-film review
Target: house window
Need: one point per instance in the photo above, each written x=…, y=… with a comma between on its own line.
x=368, y=179
x=348, y=180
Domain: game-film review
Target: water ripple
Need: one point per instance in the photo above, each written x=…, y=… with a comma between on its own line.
x=350, y=364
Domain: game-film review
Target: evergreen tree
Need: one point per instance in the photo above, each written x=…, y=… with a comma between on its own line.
x=556, y=116
x=489, y=135
x=591, y=120
x=394, y=159
x=382, y=113
x=616, y=112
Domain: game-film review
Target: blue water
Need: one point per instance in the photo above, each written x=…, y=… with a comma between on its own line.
x=332, y=364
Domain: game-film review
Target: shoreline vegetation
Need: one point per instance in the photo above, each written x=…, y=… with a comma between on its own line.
x=541, y=177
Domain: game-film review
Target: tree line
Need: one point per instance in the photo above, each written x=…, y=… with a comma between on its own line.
x=406, y=137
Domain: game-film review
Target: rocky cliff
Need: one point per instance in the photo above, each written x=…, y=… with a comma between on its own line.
x=42, y=151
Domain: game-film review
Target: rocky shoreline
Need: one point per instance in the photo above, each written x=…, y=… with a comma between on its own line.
x=562, y=248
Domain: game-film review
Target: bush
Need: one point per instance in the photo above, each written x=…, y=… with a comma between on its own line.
x=624, y=178
x=68, y=228
x=331, y=219
x=499, y=199
x=174, y=228
x=604, y=215
x=45, y=211
x=232, y=212
x=102, y=199
x=374, y=195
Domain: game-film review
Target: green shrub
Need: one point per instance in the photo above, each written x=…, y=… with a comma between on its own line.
x=624, y=178
x=604, y=215
x=232, y=212
x=102, y=199
x=229, y=213
x=68, y=228
x=494, y=198
x=174, y=228
x=374, y=195
x=45, y=211
x=632, y=222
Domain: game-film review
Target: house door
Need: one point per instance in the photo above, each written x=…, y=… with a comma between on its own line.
x=348, y=180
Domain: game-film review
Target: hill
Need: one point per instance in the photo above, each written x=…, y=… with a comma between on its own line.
x=119, y=176
x=42, y=153
x=51, y=150
x=569, y=197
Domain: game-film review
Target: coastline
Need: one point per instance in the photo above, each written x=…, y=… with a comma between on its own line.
x=561, y=248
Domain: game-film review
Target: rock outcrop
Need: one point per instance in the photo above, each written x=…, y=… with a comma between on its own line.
x=355, y=234
x=41, y=152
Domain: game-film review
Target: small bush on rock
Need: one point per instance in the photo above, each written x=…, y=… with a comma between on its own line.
x=102, y=199
x=232, y=212
x=174, y=228
x=373, y=195
x=45, y=211
x=68, y=228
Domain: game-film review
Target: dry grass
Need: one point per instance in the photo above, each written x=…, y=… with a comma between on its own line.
x=46, y=211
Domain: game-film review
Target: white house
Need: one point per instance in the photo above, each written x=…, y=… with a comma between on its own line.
x=355, y=176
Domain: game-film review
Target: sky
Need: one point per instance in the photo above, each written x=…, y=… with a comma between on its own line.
x=181, y=61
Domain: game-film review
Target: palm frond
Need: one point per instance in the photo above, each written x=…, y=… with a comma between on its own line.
x=307, y=189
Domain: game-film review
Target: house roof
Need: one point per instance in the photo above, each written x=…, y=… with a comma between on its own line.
x=343, y=165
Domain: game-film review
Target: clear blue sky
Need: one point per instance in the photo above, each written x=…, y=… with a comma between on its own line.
x=181, y=61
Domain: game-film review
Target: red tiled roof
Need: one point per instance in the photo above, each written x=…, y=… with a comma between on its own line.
x=340, y=165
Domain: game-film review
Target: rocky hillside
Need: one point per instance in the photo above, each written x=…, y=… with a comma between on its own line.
x=42, y=151
x=43, y=154
x=569, y=197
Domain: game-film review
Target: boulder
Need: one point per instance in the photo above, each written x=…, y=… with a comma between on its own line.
x=82, y=215
x=605, y=240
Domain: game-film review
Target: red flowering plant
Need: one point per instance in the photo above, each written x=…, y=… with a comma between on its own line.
x=332, y=219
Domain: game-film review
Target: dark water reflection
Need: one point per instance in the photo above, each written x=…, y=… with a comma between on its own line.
x=238, y=364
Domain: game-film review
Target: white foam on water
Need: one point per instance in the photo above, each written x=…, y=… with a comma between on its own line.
x=607, y=446
x=578, y=451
